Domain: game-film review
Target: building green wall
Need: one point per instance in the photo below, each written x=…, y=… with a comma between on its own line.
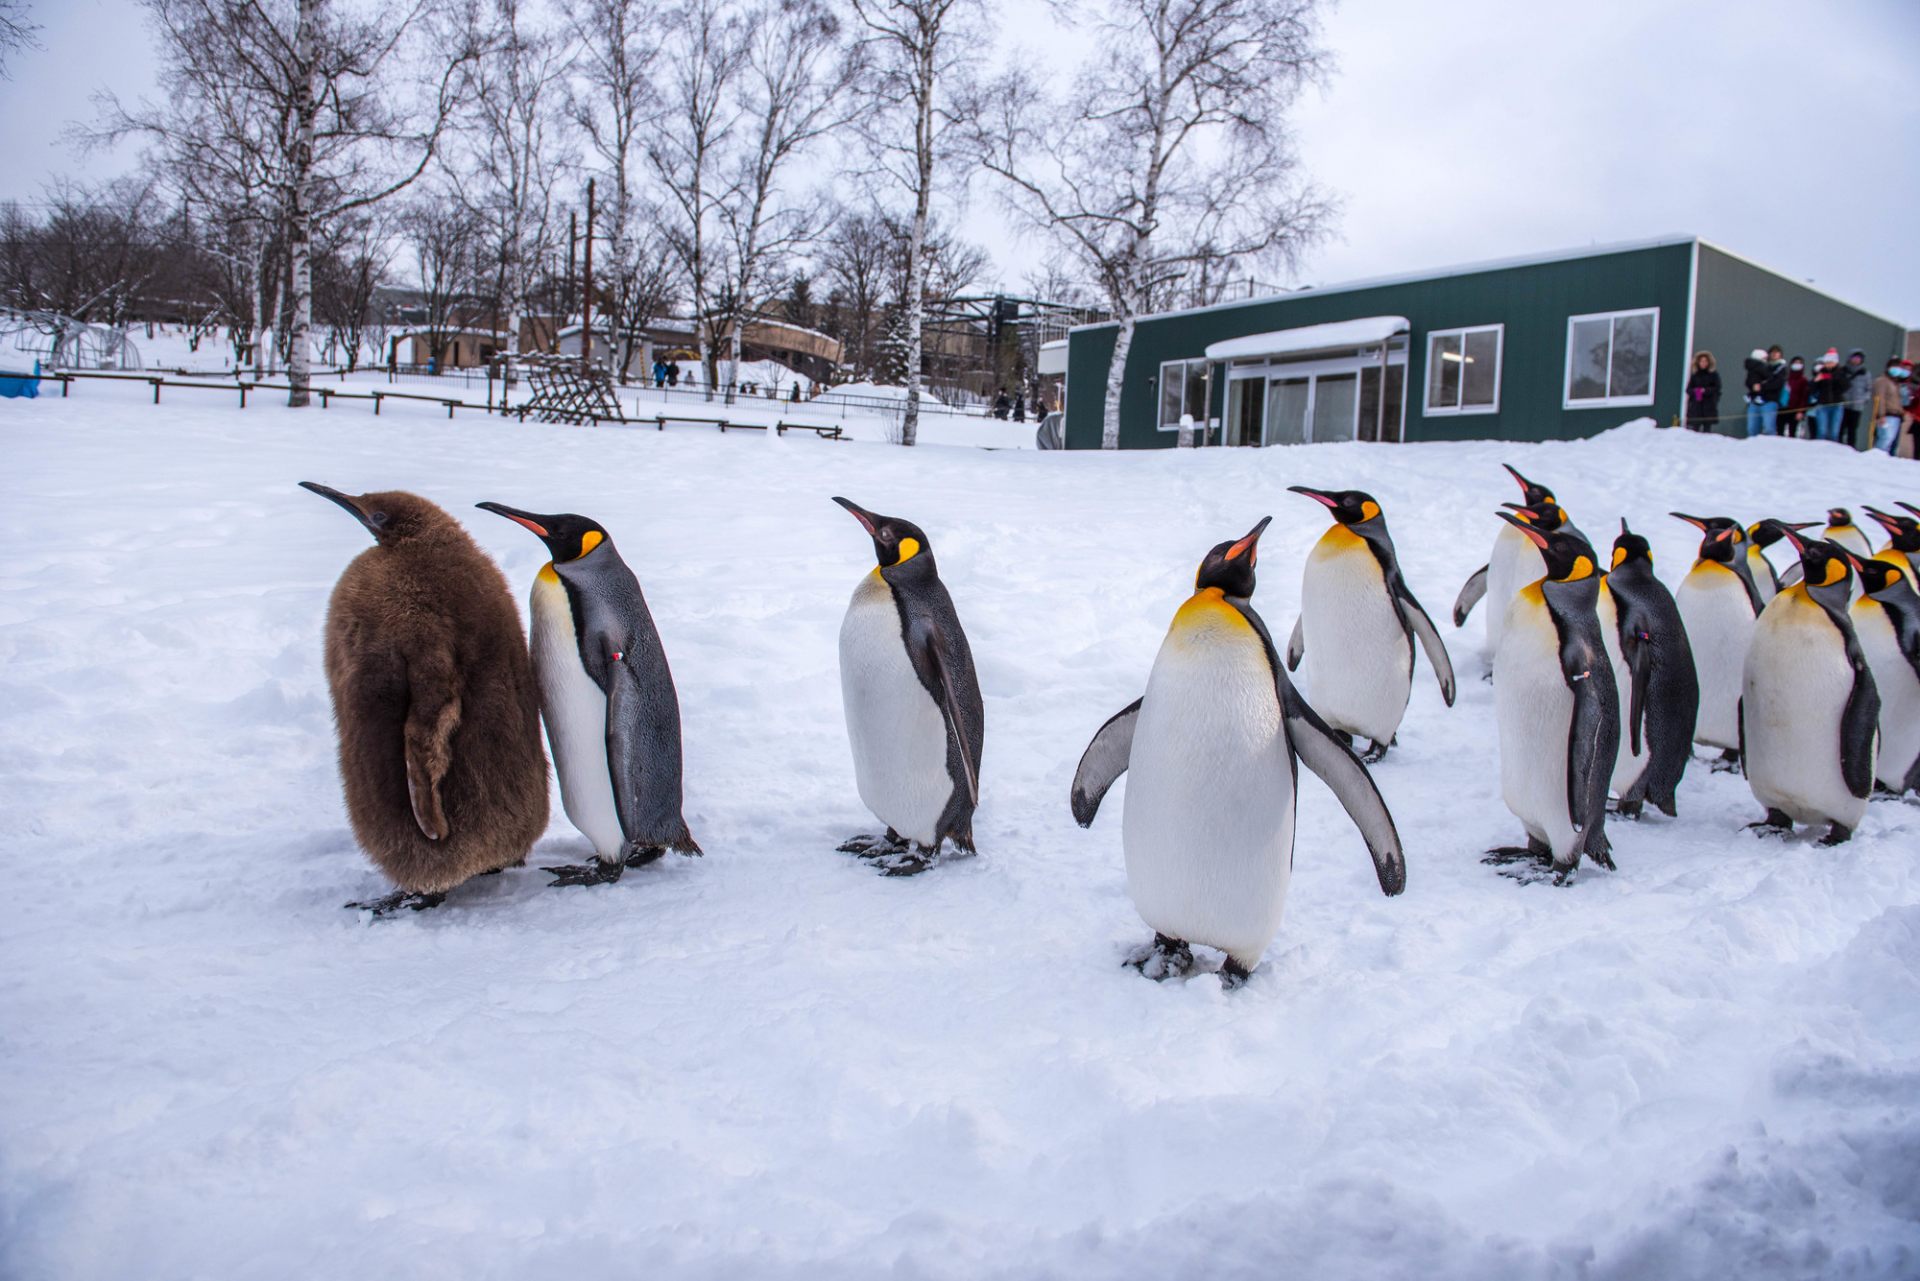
x=1742, y=307
x=1533, y=301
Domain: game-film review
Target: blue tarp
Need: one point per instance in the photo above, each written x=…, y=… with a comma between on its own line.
x=27, y=385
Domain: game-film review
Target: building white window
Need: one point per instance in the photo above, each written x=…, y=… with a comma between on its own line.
x=1183, y=390
x=1610, y=358
x=1463, y=370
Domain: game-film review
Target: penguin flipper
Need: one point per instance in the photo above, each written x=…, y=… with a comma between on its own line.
x=1316, y=744
x=1859, y=725
x=643, y=758
x=1593, y=744
x=1417, y=621
x=927, y=657
x=1791, y=575
x=1470, y=594
x=1639, y=656
x=1104, y=761
x=429, y=752
x=1297, y=644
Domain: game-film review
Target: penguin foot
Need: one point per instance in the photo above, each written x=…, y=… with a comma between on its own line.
x=1626, y=809
x=1376, y=751
x=1776, y=823
x=640, y=855
x=908, y=860
x=869, y=846
x=387, y=905
x=1563, y=875
x=1728, y=762
x=592, y=873
x=1838, y=834
x=1526, y=865
x=1164, y=958
x=1233, y=975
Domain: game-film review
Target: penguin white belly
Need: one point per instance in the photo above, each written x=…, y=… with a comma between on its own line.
x=1208, y=823
x=1899, y=693
x=1359, y=659
x=1851, y=537
x=1515, y=562
x=898, y=735
x=1796, y=687
x=1627, y=767
x=1534, y=709
x=1719, y=618
x=575, y=712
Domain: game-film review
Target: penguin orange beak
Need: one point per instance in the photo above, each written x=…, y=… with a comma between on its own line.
x=1539, y=539
x=1251, y=543
x=1891, y=523
x=1520, y=480
x=527, y=520
x=1799, y=543
x=1314, y=494
x=860, y=514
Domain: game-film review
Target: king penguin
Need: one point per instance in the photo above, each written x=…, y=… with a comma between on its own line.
x=435, y=704
x=914, y=715
x=1841, y=531
x=607, y=696
x=1719, y=602
x=1663, y=691
x=1213, y=746
x=1886, y=617
x=1761, y=535
x=1359, y=619
x=1514, y=563
x=1558, y=710
x=1903, y=541
x=1809, y=710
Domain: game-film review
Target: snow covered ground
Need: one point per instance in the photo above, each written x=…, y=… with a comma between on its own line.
x=769, y=1061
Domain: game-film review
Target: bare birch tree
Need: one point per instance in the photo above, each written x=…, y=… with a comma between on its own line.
x=299, y=106
x=913, y=47
x=1169, y=153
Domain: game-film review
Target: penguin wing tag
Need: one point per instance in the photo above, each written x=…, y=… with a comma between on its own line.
x=1422, y=626
x=1104, y=761
x=1470, y=594
x=1297, y=645
x=1342, y=771
x=1859, y=724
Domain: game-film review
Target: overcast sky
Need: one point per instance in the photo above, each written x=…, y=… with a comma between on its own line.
x=1452, y=132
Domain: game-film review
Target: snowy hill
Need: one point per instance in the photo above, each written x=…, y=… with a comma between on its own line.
x=770, y=1062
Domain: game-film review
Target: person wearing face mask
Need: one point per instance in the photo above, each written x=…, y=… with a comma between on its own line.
x=1888, y=406
x=1763, y=394
x=1793, y=399
x=1858, y=397
x=1825, y=387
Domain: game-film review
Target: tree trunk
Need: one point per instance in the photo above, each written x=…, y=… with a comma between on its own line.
x=916, y=310
x=733, y=359
x=300, y=212
x=1116, y=378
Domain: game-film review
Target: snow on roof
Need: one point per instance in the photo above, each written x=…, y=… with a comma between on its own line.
x=1053, y=357
x=1367, y=331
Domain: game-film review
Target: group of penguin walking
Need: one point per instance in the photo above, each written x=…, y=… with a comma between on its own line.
x=439, y=699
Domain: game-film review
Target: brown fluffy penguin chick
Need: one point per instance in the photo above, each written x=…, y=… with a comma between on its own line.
x=433, y=696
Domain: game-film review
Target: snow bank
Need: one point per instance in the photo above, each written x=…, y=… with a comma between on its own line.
x=770, y=1062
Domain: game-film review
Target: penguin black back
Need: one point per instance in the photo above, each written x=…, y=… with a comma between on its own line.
x=434, y=699
x=1664, y=701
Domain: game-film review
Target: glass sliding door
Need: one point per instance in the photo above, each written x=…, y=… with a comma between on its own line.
x=1374, y=425
x=1246, y=405
x=1288, y=401
x=1336, y=399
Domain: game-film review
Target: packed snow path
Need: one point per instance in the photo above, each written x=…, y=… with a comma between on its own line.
x=772, y=1062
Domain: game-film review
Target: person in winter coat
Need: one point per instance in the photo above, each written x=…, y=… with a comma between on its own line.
x=659, y=372
x=1020, y=406
x=1826, y=387
x=1703, y=393
x=673, y=373
x=1793, y=405
x=1766, y=380
x=1858, y=396
x=1888, y=407
x=1002, y=404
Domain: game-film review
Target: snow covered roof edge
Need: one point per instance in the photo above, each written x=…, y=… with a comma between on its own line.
x=1365, y=331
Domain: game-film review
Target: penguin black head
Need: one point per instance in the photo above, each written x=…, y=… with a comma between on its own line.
x=895, y=541
x=1350, y=507
x=392, y=516
x=1533, y=494
x=1878, y=578
x=568, y=537
x=1630, y=548
x=1903, y=532
x=1765, y=533
x=1721, y=536
x=1547, y=516
x=1229, y=566
x=1569, y=557
x=1825, y=567
x=1838, y=518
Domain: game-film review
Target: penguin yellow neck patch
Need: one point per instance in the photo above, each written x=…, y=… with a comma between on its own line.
x=590, y=540
x=1207, y=609
x=548, y=574
x=909, y=548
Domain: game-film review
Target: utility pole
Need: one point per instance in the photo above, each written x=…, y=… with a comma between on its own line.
x=586, y=304
x=573, y=243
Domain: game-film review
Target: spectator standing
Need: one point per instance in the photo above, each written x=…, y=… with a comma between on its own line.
x=1763, y=393
x=1793, y=401
x=673, y=373
x=1888, y=407
x=1002, y=404
x=659, y=372
x=1703, y=393
x=1020, y=405
x=1858, y=396
x=1908, y=445
x=1826, y=387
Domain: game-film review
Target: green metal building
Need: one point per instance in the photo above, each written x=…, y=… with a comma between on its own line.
x=1543, y=348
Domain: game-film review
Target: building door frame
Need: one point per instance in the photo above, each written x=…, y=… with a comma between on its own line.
x=1313, y=368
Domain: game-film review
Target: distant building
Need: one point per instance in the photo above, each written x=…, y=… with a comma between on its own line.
x=1545, y=348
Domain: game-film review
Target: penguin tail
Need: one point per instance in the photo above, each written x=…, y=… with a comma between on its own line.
x=685, y=844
